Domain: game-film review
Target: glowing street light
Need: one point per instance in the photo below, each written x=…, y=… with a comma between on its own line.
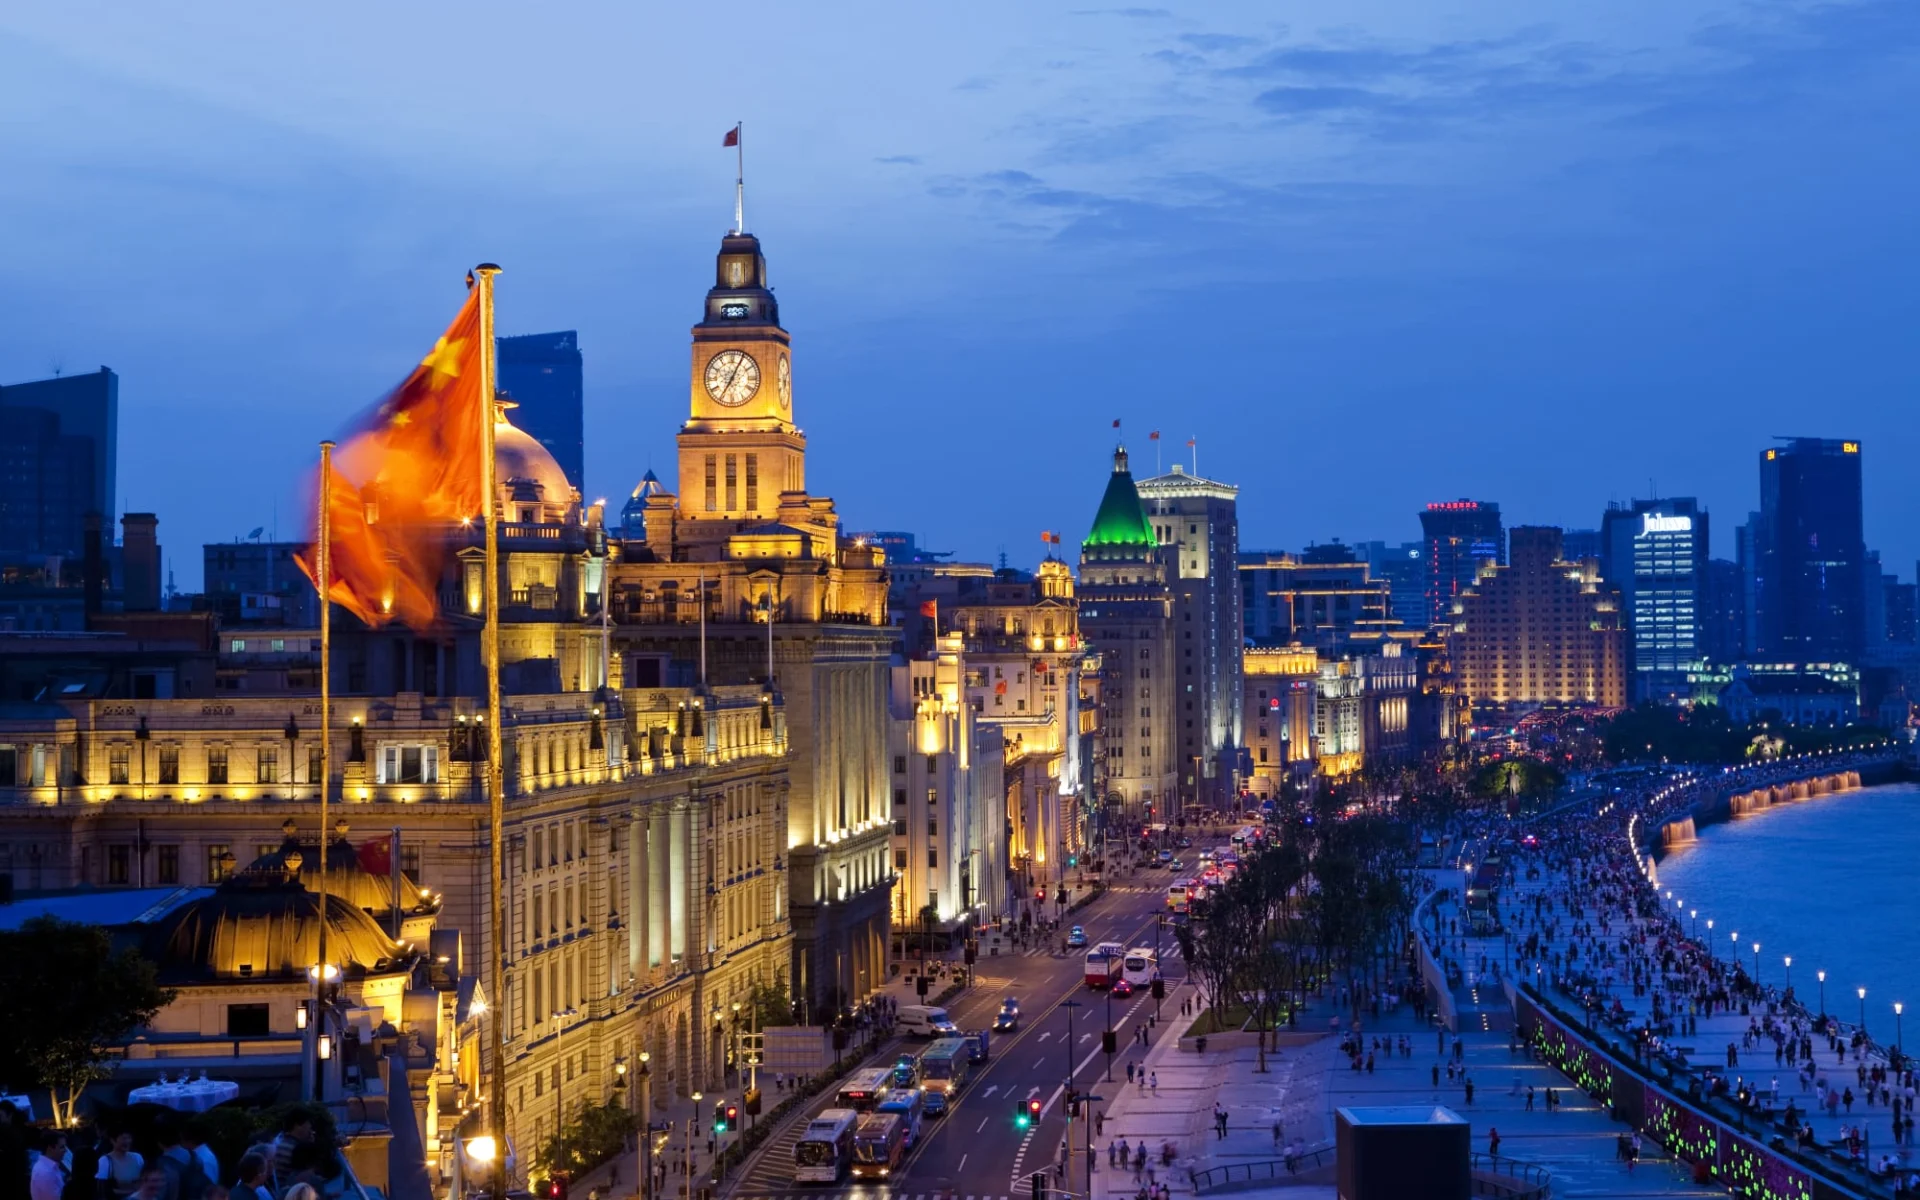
x=1823, y=992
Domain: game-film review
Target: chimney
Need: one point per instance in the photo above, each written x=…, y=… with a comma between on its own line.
x=140, y=562
x=93, y=566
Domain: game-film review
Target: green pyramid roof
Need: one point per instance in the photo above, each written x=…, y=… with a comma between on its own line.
x=1121, y=521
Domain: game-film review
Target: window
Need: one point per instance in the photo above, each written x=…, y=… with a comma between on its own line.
x=314, y=767
x=753, y=481
x=933, y=796
x=166, y=866
x=733, y=482
x=248, y=1020
x=899, y=860
x=713, y=484
x=169, y=765
x=216, y=861
x=9, y=766
x=409, y=764
x=539, y=859
x=238, y=645
x=267, y=765
x=933, y=859
x=899, y=797
x=899, y=764
x=278, y=645
x=119, y=756
x=900, y=826
x=216, y=764
x=933, y=826
x=410, y=862
x=933, y=763
x=119, y=863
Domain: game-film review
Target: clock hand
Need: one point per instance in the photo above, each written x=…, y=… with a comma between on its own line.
x=726, y=389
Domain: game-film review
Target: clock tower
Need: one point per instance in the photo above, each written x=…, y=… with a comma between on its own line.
x=740, y=450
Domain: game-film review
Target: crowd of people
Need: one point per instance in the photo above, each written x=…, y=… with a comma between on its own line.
x=171, y=1160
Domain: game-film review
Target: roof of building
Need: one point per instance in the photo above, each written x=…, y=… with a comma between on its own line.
x=263, y=925
x=649, y=485
x=520, y=460
x=116, y=907
x=1122, y=520
x=347, y=875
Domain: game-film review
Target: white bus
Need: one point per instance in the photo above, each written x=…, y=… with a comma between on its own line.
x=1178, y=895
x=1140, y=966
x=825, y=1149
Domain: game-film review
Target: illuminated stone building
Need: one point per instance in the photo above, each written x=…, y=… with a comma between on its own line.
x=645, y=825
x=1539, y=632
x=1197, y=525
x=1126, y=614
x=949, y=817
x=1279, y=694
x=744, y=579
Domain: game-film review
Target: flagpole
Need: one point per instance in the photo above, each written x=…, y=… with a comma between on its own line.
x=496, y=806
x=1193, y=444
x=740, y=177
x=324, y=582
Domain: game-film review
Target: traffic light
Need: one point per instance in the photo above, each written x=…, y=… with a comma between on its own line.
x=1039, y=1182
x=733, y=1117
x=557, y=1186
x=720, y=1117
x=1159, y=988
x=1020, y=1118
x=753, y=1102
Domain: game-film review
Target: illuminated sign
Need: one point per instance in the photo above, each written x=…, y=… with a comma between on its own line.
x=1655, y=523
x=1454, y=506
x=1770, y=455
x=1849, y=447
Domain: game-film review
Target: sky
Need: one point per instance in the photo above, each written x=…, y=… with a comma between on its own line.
x=1365, y=253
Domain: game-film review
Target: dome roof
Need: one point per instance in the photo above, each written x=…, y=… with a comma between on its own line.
x=521, y=463
x=262, y=925
x=347, y=877
x=1121, y=521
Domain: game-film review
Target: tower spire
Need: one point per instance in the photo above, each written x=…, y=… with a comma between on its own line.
x=739, y=177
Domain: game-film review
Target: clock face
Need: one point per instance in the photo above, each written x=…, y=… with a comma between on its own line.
x=783, y=379
x=733, y=378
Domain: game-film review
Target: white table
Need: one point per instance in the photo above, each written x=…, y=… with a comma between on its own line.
x=198, y=1095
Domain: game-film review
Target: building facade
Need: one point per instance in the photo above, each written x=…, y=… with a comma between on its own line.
x=1460, y=537
x=1196, y=522
x=1809, y=554
x=1126, y=615
x=1323, y=598
x=1654, y=552
x=258, y=583
x=59, y=455
x=1541, y=631
x=542, y=373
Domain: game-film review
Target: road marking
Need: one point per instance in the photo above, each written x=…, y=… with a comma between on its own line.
x=991, y=1089
x=1045, y=1036
x=963, y=1164
x=1085, y=1036
x=1038, y=1063
x=1032, y=1092
x=983, y=1124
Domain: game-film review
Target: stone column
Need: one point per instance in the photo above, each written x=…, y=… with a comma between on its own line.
x=678, y=923
x=658, y=873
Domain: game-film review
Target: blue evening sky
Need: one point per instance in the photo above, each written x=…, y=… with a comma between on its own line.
x=1370, y=253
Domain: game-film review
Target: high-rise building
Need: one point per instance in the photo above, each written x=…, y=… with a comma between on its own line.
x=1461, y=536
x=1810, y=553
x=1322, y=598
x=1404, y=567
x=259, y=583
x=1126, y=614
x=1903, y=613
x=58, y=454
x=1197, y=525
x=1577, y=545
x=542, y=373
x=1723, y=621
x=1541, y=631
x=1654, y=552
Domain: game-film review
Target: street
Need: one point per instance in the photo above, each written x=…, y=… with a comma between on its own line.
x=976, y=1149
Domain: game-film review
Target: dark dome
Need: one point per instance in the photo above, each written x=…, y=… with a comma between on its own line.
x=347, y=878
x=264, y=925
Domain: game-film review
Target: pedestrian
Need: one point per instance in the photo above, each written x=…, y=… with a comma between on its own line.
x=1493, y=1141
x=1276, y=1135
x=1436, y=1074
x=1154, y=1083
x=1529, y=1097
x=1469, y=1093
x=1129, y=1072
x=1099, y=1124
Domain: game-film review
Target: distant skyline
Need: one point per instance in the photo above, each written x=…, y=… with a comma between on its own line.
x=1370, y=254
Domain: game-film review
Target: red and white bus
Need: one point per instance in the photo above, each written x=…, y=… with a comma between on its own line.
x=1104, y=964
x=879, y=1143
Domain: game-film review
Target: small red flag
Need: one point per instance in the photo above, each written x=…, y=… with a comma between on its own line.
x=1190, y=441
x=376, y=856
x=1116, y=422
x=1154, y=436
x=929, y=608
x=732, y=138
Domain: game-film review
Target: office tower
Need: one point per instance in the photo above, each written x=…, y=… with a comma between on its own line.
x=1404, y=567
x=1577, y=545
x=1196, y=523
x=1322, y=598
x=58, y=455
x=1126, y=614
x=1903, y=615
x=258, y=583
x=1723, y=621
x=542, y=373
x=1810, y=553
x=1541, y=631
x=1746, y=553
x=1461, y=536
x=1873, y=604
x=1654, y=552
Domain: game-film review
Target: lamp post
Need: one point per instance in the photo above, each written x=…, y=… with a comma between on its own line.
x=322, y=977
x=1822, y=975
x=1899, y=1040
x=1863, y=1010
x=1073, y=1012
x=1694, y=915
x=646, y=1127
x=1756, y=964
x=691, y=1122
x=1709, y=937
x=1789, y=961
x=560, y=1018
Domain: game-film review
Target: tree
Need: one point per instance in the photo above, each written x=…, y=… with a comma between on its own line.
x=69, y=997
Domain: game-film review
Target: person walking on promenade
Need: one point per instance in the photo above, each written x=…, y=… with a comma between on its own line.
x=1529, y=1097
x=1493, y=1141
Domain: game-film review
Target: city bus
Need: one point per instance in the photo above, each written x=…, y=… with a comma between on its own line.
x=1179, y=894
x=863, y=1089
x=1103, y=965
x=910, y=1105
x=1140, y=966
x=879, y=1143
x=944, y=1068
x=1245, y=837
x=826, y=1147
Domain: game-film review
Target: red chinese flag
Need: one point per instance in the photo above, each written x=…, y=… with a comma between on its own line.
x=376, y=856
x=1116, y=422
x=1154, y=436
x=732, y=138
x=409, y=470
x=929, y=608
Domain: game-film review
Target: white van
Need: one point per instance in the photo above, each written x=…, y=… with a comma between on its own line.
x=925, y=1020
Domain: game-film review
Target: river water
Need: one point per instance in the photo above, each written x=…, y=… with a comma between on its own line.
x=1828, y=881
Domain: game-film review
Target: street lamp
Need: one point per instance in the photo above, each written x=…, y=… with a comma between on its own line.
x=1823, y=991
x=1789, y=972
x=1694, y=915
x=1709, y=937
x=1899, y=1042
x=1756, y=964
x=1863, y=1010
x=691, y=1121
x=646, y=1126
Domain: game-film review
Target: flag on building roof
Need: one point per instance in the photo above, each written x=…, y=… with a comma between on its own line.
x=732, y=138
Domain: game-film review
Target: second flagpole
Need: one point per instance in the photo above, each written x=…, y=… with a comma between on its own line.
x=496, y=801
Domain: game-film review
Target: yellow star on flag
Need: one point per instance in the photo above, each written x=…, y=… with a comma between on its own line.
x=443, y=361
x=402, y=418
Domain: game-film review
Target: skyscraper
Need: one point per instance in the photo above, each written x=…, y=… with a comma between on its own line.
x=1810, y=553
x=1196, y=524
x=1126, y=613
x=1404, y=567
x=1723, y=623
x=542, y=372
x=1542, y=631
x=1655, y=553
x=1461, y=537
x=58, y=454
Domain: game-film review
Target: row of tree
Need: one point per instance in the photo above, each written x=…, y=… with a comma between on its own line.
x=1329, y=897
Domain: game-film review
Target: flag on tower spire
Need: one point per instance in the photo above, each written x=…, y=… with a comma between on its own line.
x=739, y=178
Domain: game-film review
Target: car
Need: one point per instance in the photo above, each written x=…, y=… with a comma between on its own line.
x=1006, y=1022
x=1076, y=937
x=1166, y=856
x=1176, y=865
x=1121, y=988
x=1184, y=843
